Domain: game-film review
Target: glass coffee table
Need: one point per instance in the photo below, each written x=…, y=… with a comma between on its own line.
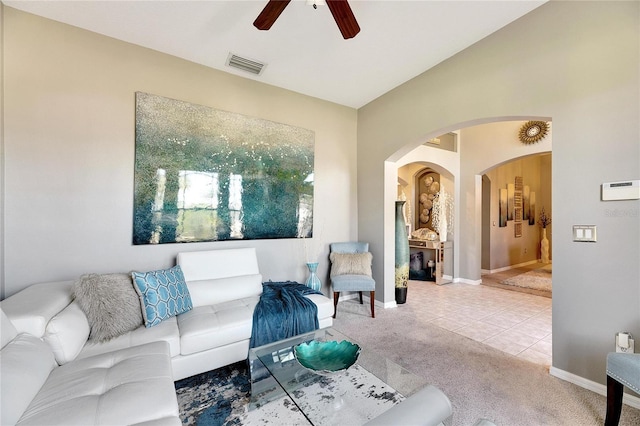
x=368, y=388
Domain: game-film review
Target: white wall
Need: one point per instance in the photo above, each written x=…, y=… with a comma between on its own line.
x=69, y=153
x=577, y=63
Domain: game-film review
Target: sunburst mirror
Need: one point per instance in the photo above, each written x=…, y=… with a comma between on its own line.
x=533, y=131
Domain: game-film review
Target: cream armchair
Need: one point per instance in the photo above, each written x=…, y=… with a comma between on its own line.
x=351, y=271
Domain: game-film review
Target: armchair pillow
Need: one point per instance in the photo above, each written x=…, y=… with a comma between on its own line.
x=350, y=264
x=110, y=303
x=163, y=294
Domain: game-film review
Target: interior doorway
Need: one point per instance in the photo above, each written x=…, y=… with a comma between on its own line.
x=482, y=145
x=482, y=148
x=516, y=248
x=514, y=196
x=477, y=170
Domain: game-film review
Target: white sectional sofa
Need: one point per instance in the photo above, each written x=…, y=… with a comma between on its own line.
x=128, y=379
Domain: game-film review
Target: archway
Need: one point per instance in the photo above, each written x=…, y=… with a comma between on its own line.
x=466, y=166
x=503, y=245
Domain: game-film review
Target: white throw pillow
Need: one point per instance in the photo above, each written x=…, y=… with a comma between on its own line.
x=67, y=333
x=350, y=264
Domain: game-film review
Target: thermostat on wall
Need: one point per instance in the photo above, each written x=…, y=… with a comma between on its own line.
x=625, y=190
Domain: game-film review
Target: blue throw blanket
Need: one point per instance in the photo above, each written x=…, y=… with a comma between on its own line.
x=283, y=312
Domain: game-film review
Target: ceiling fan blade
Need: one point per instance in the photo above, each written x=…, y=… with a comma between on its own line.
x=270, y=13
x=344, y=17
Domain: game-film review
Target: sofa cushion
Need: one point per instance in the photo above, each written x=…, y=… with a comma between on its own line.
x=216, y=276
x=166, y=331
x=163, y=294
x=350, y=264
x=324, y=304
x=129, y=386
x=67, y=333
x=212, y=326
x=215, y=264
x=31, y=309
x=7, y=329
x=25, y=364
x=110, y=303
x=211, y=292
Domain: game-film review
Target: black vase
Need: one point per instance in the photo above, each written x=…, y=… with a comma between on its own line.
x=401, y=295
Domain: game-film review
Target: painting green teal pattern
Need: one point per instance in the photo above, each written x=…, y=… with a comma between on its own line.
x=203, y=174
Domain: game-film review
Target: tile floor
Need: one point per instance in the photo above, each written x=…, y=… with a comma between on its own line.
x=513, y=322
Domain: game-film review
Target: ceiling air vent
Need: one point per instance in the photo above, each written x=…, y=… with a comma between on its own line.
x=249, y=65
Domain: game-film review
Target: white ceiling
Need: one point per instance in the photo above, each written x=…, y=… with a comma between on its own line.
x=304, y=50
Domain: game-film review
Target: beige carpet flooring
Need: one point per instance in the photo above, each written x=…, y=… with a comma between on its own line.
x=538, y=279
x=480, y=381
x=498, y=279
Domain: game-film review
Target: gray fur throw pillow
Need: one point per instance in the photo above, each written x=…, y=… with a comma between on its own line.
x=350, y=264
x=111, y=304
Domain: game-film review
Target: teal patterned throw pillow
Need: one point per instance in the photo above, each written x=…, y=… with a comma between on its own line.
x=163, y=294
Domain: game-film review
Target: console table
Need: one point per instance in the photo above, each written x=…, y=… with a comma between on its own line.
x=441, y=253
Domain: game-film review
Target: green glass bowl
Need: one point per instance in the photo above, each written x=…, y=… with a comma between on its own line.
x=327, y=357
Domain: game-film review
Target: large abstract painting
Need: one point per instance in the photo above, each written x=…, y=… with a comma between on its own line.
x=203, y=174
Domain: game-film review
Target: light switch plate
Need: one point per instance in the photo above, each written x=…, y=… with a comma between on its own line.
x=584, y=233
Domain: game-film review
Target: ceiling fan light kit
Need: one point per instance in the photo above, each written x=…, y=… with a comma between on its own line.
x=340, y=9
x=316, y=3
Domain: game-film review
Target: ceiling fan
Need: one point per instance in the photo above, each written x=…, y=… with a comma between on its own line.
x=340, y=10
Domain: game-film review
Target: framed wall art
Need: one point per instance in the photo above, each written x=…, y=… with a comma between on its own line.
x=202, y=174
x=517, y=229
x=511, y=189
x=532, y=208
x=502, y=208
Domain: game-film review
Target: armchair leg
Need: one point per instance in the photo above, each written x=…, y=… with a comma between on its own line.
x=336, y=296
x=360, y=297
x=615, y=391
x=373, y=303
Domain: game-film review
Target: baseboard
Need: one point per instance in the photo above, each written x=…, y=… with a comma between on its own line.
x=467, y=281
x=388, y=305
x=506, y=268
x=379, y=304
x=630, y=400
x=366, y=300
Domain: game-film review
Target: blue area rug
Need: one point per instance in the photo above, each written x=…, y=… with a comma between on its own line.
x=216, y=397
x=221, y=397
